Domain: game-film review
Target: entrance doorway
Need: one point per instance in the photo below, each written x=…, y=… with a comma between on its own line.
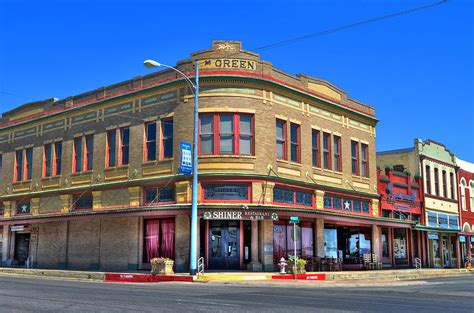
x=224, y=245
x=22, y=248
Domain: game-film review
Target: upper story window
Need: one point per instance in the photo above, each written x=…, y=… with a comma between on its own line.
x=327, y=150
x=436, y=181
x=428, y=179
x=364, y=169
x=123, y=142
x=290, y=196
x=281, y=139
x=316, y=148
x=124, y=145
x=355, y=157
x=167, y=138
x=23, y=207
x=462, y=187
x=295, y=151
x=23, y=164
x=52, y=159
x=445, y=184
x=451, y=186
x=111, y=157
x=226, y=133
x=83, y=155
x=226, y=191
x=1, y=167
x=83, y=202
x=154, y=195
x=337, y=154
x=150, y=141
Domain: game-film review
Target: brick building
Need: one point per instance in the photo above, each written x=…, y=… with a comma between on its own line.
x=91, y=181
x=440, y=221
x=466, y=208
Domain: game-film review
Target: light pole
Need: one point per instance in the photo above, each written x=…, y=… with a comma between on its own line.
x=193, y=230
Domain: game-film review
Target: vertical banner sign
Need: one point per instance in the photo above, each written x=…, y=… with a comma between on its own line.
x=186, y=165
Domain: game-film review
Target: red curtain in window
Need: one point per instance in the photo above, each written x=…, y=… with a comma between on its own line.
x=167, y=238
x=152, y=238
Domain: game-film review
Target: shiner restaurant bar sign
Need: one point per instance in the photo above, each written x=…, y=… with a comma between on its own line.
x=240, y=215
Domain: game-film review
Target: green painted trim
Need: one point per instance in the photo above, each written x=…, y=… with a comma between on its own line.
x=400, y=185
x=384, y=180
x=399, y=174
x=436, y=229
x=179, y=177
x=414, y=186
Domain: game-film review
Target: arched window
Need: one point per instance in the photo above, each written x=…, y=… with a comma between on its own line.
x=462, y=186
x=471, y=195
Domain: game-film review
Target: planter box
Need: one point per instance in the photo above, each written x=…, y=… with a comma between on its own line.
x=162, y=268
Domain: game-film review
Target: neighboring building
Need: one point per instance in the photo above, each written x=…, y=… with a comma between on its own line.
x=400, y=201
x=466, y=208
x=91, y=181
x=437, y=165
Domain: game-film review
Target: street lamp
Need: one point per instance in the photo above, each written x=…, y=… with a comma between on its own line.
x=195, y=88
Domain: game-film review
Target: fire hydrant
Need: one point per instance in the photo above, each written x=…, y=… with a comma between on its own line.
x=282, y=265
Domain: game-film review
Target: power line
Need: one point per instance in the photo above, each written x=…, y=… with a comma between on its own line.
x=344, y=27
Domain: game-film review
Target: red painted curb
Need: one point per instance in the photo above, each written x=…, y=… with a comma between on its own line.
x=144, y=278
x=301, y=277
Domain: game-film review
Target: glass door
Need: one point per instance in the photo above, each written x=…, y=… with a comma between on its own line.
x=224, y=245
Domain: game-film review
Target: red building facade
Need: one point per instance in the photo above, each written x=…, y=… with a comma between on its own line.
x=466, y=205
x=400, y=201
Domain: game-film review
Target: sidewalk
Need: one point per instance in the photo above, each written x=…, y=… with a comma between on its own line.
x=144, y=277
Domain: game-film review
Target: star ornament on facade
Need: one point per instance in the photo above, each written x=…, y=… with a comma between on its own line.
x=24, y=208
x=347, y=206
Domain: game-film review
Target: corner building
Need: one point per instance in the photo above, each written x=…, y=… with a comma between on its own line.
x=91, y=181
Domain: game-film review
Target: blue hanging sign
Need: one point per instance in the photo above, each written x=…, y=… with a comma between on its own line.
x=186, y=165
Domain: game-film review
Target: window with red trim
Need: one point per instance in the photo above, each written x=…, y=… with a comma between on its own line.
x=327, y=150
x=226, y=133
x=281, y=139
x=355, y=157
x=316, y=147
x=83, y=202
x=58, y=151
x=364, y=160
x=83, y=154
x=48, y=160
x=124, y=145
x=23, y=168
x=295, y=146
x=29, y=163
x=337, y=153
x=167, y=138
x=111, y=159
x=150, y=141
x=89, y=152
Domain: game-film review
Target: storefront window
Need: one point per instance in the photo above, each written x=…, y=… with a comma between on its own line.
x=330, y=243
x=399, y=243
x=283, y=243
x=159, y=239
x=453, y=246
x=384, y=236
x=436, y=248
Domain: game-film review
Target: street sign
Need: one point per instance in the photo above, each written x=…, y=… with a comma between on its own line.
x=462, y=239
x=294, y=220
x=186, y=165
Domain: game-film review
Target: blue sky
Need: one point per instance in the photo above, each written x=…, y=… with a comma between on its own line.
x=416, y=69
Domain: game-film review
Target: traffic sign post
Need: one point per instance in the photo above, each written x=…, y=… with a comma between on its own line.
x=294, y=220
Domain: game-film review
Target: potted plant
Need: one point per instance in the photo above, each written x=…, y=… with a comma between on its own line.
x=161, y=266
x=300, y=265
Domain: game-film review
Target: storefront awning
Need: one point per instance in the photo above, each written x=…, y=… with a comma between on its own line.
x=436, y=229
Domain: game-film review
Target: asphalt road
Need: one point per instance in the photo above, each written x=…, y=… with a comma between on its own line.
x=19, y=294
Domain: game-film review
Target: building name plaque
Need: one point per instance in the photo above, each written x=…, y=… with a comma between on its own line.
x=229, y=63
